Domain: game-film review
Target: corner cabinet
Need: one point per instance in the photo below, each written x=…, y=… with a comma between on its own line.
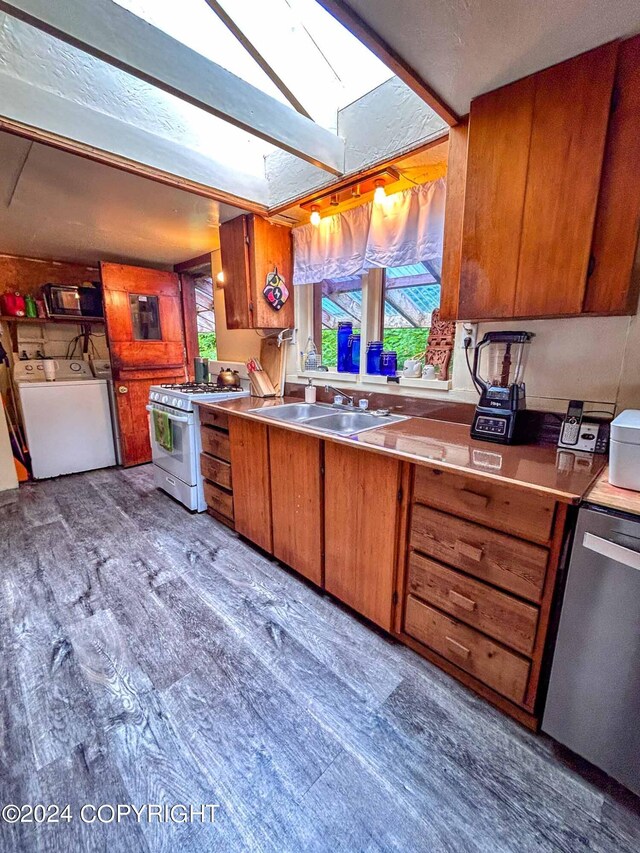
x=542, y=220
x=252, y=247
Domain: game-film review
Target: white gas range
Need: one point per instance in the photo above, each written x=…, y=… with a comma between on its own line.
x=175, y=440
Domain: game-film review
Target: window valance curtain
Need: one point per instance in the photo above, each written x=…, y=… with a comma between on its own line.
x=406, y=229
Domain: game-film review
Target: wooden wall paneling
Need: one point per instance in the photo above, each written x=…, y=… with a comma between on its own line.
x=497, y=161
x=190, y=321
x=571, y=114
x=234, y=253
x=297, y=501
x=612, y=288
x=453, y=218
x=270, y=247
x=361, y=508
x=249, y=443
x=27, y=275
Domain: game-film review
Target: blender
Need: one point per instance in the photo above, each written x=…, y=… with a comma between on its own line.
x=498, y=373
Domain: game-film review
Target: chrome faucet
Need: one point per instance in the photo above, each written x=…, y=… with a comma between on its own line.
x=340, y=396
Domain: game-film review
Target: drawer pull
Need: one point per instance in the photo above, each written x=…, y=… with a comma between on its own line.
x=458, y=648
x=462, y=600
x=474, y=499
x=467, y=550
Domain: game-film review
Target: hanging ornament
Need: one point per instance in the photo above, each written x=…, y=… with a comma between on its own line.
x=275, y=290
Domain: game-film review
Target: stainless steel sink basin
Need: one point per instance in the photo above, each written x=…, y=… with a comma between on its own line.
x=328, y=419
x=293, y=412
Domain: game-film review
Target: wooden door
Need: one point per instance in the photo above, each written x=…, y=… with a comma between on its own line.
x=297, y=501
x=361, y=523
x=571, y=114
x=143, y=314
x=249, y=446
x=498, y=154
x=453, y=217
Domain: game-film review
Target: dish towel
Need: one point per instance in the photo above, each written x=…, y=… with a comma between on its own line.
x=162, y=430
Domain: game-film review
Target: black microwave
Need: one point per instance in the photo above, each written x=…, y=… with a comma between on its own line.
x=67, y=300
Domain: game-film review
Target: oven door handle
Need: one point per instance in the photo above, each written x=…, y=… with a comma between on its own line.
x=171, y=417
x=612, y=550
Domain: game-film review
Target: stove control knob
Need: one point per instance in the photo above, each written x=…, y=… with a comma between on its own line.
x=165, y=399
x=154, y=395
x=174, y=401
x=180, y=403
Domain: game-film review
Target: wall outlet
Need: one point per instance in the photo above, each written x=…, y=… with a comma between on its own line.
x=469, y=330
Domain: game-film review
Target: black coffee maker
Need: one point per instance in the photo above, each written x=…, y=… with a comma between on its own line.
x=501, y=358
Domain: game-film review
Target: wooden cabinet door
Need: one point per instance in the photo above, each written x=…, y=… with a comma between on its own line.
x=143, y=313
x=297, y=501
x=613, y=287
x=270, y=248
x=249, y=445
x=571, y=114
x=234, y=253
x=361, y=520
x=498, y=154
x=251, y=248
x=453, y=217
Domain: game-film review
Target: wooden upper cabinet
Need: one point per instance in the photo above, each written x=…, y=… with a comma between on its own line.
x=551, y=206
x=612, y=288
x=251, y=248
x=498, y=153
x=571, y=115
x=453, y=214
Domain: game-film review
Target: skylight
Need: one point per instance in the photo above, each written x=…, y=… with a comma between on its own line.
x=318, y=60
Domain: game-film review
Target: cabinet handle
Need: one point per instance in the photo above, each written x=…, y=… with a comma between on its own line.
x=467, y=550
x=462, y=600
x=474, y=499
x=458, y=648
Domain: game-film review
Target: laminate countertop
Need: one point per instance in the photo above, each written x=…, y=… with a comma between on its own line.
x=602, y=493
x=567, y=475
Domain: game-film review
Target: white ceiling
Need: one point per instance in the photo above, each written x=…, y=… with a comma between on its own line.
x=463, y=48
x=58, y=205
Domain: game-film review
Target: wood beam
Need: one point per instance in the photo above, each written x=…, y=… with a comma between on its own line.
x=116, y=36
x=405, y=307
x=255, y=54
x=435, y=269
x=39, y=115
x=343, y=13
x=347, y=304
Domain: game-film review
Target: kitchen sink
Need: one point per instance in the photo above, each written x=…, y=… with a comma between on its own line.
x=328, y=419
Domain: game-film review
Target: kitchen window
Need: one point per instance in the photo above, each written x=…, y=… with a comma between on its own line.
x=340, y=301
x=411, y=293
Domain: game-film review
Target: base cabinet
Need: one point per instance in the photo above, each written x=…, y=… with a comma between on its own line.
x=297, y=501
x=249, y=447
x=361, y=519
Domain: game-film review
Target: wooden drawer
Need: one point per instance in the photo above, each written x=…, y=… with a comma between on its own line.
x=510, y=563
x=516, y=511
x=216, y=470
x=216, y=443
x=219, y=500
x=211, y=417
x=506, y=672
x=495, y=613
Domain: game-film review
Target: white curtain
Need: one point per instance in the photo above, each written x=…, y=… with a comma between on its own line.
x=406, y=229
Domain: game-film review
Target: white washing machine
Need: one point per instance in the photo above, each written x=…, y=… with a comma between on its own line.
x=68, y=420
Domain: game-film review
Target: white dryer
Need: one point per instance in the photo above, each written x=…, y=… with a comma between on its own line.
x=67, y=421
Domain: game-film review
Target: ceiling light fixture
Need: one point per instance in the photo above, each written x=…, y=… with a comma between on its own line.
x=315, y=215
x=380, y=193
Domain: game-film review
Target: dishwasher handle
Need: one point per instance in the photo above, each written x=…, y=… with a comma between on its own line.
x=611, y=550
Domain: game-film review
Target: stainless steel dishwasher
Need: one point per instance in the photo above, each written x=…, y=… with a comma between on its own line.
x=593, y=703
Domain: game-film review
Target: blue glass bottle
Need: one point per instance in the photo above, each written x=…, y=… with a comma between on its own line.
x=354, y=353
x=374, y=351
x=389, y=363
x=345, y=330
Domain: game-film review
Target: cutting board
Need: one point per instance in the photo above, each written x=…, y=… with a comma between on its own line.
x=272, y=361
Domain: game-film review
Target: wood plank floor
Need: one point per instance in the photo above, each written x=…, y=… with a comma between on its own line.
x=150, y=656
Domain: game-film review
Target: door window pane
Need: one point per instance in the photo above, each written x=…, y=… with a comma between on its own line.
x=411, y=293
x=341, y=302
x=145, y=317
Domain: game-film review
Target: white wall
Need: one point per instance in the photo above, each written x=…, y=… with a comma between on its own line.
x=237, y=345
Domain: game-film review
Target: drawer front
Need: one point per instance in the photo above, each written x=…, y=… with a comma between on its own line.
x=211, y=417
x=514, y=511
x=489, y=662
x=219, y=500
x=216, y=470
x=509, y=563
x=494, y=613
x=216, y=443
